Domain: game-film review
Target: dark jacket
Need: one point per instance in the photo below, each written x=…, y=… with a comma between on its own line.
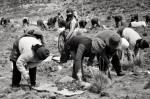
x=68, y=23
x=81, y=45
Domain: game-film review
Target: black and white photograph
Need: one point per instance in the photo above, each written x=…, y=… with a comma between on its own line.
x=74, y=49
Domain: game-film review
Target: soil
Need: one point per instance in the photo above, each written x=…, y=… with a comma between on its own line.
x=129, y=86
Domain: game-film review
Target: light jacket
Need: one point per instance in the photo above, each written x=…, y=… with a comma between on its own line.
x=131, y=36
x=27, y=56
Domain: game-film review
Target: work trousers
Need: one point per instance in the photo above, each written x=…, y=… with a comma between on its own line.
x=16, y=76
x=115, y=62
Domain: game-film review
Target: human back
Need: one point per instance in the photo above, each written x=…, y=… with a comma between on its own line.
x=25, y=44
x=131, y=36
x=76, y=40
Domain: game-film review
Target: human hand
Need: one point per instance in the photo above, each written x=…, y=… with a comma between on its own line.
x=91, y=70
x=108, y=71
x=85, y=85
x=109, y=65
x=27, y=79
x=79, y=75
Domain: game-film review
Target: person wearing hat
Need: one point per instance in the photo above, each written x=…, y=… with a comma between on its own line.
x=136, y=42
x=71, y=23
x=80, y=47
x=109, y=55
x=28, y=52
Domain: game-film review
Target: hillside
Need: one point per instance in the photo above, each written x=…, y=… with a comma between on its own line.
x=129, y=86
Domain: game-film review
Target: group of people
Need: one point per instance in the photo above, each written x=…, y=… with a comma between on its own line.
x=29, y=50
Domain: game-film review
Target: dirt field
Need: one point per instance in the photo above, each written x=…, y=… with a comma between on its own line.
x=129, y=86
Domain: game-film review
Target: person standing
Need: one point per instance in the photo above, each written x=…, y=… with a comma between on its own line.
x=71, y=23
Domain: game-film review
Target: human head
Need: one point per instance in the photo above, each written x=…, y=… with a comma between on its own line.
x=41, y=51
x=59, y=13
x=134, y=17
x=114, y=40
x=69, y=12
x=82, y=23
x=97, y=45
x=142, y=43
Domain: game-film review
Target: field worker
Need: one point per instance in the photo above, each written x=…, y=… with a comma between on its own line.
x=42, y=24
x=59, y=16
x=135, y=42
x=71, y=23
x=28, y=52
x=25, y=21
x=61, y=21
x=81, y=30
x=80, y=47
x=109, y=55
x=95, y=22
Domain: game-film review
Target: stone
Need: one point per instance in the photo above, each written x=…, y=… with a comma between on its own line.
x=66, y=79
x=2, y=95
x=104, y=94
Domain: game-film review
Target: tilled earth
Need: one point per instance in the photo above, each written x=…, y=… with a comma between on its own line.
x=129, y=86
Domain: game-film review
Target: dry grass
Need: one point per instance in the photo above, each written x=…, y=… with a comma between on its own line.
x=101, y=10
x=100, y=81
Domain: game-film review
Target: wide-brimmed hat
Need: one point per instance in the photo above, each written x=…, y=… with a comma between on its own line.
x=143, y=44
x=114, y=40
x=98, y=44
x=42, y=52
